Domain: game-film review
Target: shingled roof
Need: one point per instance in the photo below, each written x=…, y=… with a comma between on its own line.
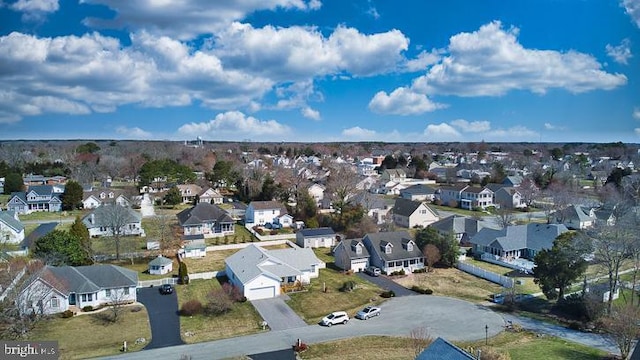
x=87, y=279
x=203, y=213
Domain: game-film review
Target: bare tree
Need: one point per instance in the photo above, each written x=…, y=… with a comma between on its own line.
x=420, y=339
x=341, y=186
x=164, y=223
x=504, y=216
x=622, y=326
x=115, y=219
x=117, y=300
x=21, y=304
x=431, y=255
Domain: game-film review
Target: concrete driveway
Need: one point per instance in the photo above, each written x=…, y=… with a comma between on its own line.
x=387, y=284
x=278, y=314
x=163, y=317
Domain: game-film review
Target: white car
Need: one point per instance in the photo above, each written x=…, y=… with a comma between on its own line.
x=336, y=317
x=369, y=311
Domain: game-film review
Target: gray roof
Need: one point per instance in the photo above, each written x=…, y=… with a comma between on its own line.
x=530, y=236
x=86, y=279
x=458, y=224
x=323, y=231
x=420, y=189
x=371, y=201
x=373, y=241
x=40, y=231
x=575, y=212
x=8, y=218
x=349, y=246
x=160, y=261
x=101, y=216
x=495, y=187
x=441, y=349
x=266, y=205
x=514, y=180
x=203, y=213
x=406, y=207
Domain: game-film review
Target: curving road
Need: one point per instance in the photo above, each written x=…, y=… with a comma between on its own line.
x=450, y=318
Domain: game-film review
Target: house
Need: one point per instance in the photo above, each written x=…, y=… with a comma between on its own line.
x=418, y=192
x=11, y=229
x=194, y=247
x=2, y=181
x=262, y=212
x=472, y=197
x=376, y=206
x=605, y=216
x=96, y=198
x=56, y=289
x=351, y=254
x=450, y=195
x=261, y=274
x=393, y=251
x=443, y=350
x=160, y=266
x=189, y=192
x=211, y=196
x=395, y=175
x=316, y=191
x=36, y=198
x=285, y=220
x=316, y=238
x=575, y=217
x=102, y=220
x=513, y=181
x=461, y=227
x=43, y=229
x=409, y=214
x=509, y=197
x=516, y=241
x=207, y=220
x=237, y=210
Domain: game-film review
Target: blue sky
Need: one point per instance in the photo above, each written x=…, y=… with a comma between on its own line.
x=321, y=70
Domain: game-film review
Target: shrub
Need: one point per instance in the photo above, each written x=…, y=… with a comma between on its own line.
x=348, y=286
x=388, y=294
x=66, y=314
x=219, y=302
x=135, y=309
x=420, y=290
x=273, y=232
x=300, y=347
x=232, y=291
x=419, y=271
x=87, y=308
x=191, y=307
x=183, y=274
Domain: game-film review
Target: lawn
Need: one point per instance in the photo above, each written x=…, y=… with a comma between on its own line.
x=52, y=216
x=453, y=283
x=243, y=319
x=87, y=336
x=518, y=345
x=141, y=266
x=214, y=261
x=326, y=302
x=106, y=245
x=457, y=210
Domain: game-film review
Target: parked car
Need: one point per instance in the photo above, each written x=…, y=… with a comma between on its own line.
x=336, y=317
x=368, y=312
x=372, y=270
x=166, y=289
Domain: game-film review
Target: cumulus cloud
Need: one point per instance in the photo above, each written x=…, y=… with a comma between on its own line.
x=423, y=60
x=235, y=125
x=34, y=10
x=473, y=126
x=636, y=113
x=491, y=62
x=512, y=133
x=441, y=132
x=402, y=101
x=621, y=53
x=133, y=133
x=632, y=8
x=196, y=17
x=310, y=113
x=358, y=133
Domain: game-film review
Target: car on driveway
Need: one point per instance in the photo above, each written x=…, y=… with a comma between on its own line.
x=166, y=289
x=336, y=317
x=368, y=312
x=372, y=270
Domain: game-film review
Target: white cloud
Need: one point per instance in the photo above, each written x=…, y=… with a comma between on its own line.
x=632, y=8
x=133, y=133
x=29, y=6
x=424, y=60
x=637, y=131
x=372, y=11
x=636, y=113
x=516, y=132
x=310, y=113
x=621, y=53
x=235, y=125
x=358, y=133
x=186, y=19
x=402, y=101
x=491, y=62
x=473, y=126
x=550, y=126
x=441, y=132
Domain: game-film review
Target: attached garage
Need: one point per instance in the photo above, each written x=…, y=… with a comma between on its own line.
x=261, y=293
x=358, y=265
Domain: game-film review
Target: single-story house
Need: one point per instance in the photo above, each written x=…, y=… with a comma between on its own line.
x=102, y=220
x=393, y=251
x=194, y=247
x=351, y=254
x=419, y=192
x=408, y=213
x=207, y=220
x=516, y=241
x=575, y=217
x=376, y=206
x=463, y=228
x=260, y=274
x=160, y=266
x=237, y=210
x=11, y=229
x=56, y=289
x=315, y=238
x=93, y=199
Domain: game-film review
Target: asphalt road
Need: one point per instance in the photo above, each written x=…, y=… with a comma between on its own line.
x=163, y=317
x=453, y=319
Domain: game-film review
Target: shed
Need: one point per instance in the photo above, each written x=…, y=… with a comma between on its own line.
x=160, y=266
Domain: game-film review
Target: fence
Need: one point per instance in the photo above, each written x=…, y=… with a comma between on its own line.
x=268, y=237
x=157, y=282
x=244, y=245
x=485, y=274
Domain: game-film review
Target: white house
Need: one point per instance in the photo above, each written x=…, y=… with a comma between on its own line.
x=211, y=196
x=56, y=289
x=11, y=229
x=102, y=220
x=262, y=212
x=188, y=192
x=408, y=214
x=160, y=266
x=260, y=274
x=316, y=238
x=316, y=191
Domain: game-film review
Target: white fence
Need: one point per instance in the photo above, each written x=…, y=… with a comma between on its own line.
x=485, y=274
x=268, y=237
x=157, y=282
x=206, y=275
x=244, y=245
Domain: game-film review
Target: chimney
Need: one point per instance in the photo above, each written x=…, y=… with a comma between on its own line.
x=92, y=219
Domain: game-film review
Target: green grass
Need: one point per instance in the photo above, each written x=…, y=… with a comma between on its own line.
x=243, y=319
x=52, y=216
x=87, y=336
x=333, y=299
x=141, y=266
x=214, y=261
x=106, y=245
x=457, y=210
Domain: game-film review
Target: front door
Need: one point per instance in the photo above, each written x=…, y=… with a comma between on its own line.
x=72, y=299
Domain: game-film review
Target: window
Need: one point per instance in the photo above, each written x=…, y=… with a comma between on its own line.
x=107, y=293
x=89, y=297
x=126, y=291
x=84, y=297
x=55, y=302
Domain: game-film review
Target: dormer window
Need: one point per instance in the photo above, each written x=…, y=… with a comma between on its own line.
x=409, y=246
x=111, y=195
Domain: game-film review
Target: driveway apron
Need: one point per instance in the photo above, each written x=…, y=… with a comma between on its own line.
x=163, y=317
x=387, y=284
x=278, y=314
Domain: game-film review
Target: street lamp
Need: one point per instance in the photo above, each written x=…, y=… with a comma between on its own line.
x=486, y=334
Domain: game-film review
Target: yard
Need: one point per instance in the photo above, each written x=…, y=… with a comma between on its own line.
x=326, y=302
x=214, y=261
x=527, y=285
x=85, y=336
x=105, y=245
x=141, y=266
x=51, y=216
x=243, y=319
x=518, y=345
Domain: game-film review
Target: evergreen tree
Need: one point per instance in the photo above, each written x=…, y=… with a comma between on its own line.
x=61, y=248
x=72, y=197
x=173, y=196
x=12, y=183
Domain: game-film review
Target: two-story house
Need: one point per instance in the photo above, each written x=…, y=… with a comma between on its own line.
x=395, y=175
x=262, y=212
x=95, y=198
x=37, y=198
x=393, y=251
x=189, y=192
x=408, y=213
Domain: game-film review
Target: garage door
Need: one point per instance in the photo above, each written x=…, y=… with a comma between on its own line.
x=262, y=293
x=358, y=265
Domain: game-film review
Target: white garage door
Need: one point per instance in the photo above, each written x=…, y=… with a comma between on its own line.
x=262, y=293
x=358, y=265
